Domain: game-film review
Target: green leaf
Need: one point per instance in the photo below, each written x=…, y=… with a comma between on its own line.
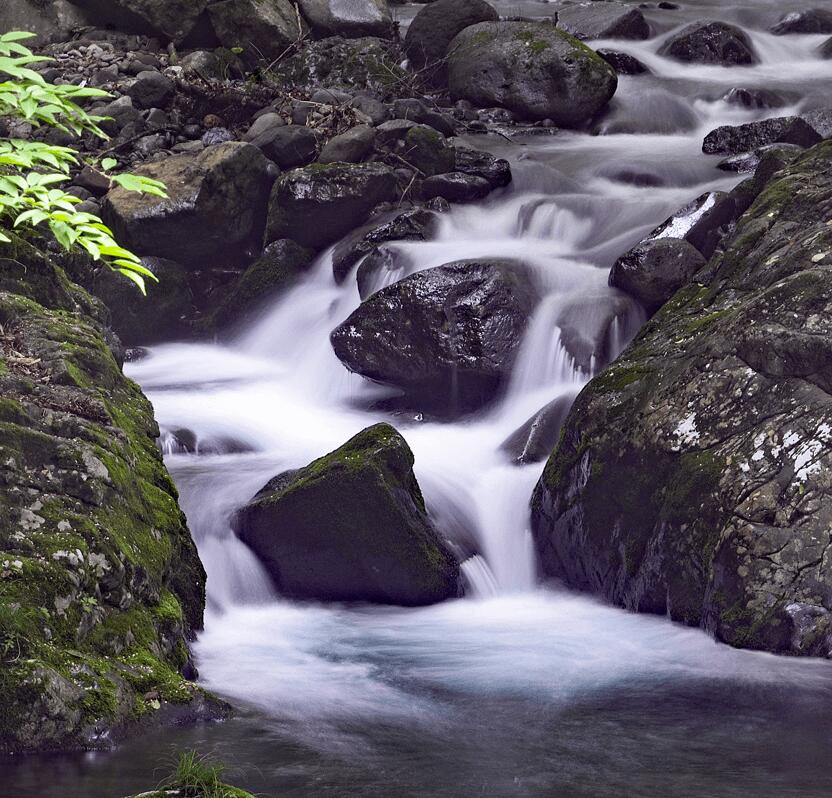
x=108, y=163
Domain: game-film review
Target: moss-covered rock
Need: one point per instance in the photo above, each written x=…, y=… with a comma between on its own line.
x=694, y=476
x=100, y=582
x=351, y=526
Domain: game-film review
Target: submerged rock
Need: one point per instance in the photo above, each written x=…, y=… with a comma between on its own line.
x=734, y=139
x=533, y=442
x=711, y=42
x=693, y=477
x=351, y=526
x=446, y=336
x=609, y=20
x=535, y=70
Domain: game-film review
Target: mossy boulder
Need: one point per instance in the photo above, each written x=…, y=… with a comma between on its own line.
x=533, y=69
x=710, y=42
x=693, y=476
x=351, y=526
x=428, y=151
x=100, y=583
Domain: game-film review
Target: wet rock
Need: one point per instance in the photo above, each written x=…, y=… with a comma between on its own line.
x=348, y=18
x=496, y=171
x=215, y=205
x=534, y=440
x=319, y=204
x=533, y=69
x=712, y=503
x=750, y=161
x=608, y=20
x=456, y=187
x=287, y=145
x=810, y=20
x=825, y=50
x=272, y=274
x=820, y=120
x=734, y=139
x=351, y=526
x=263, y=29
x=654, y=270
x=434, y=28
x=446, y=336
x=410, y=225
x=623, y=63
x=170, y=20
x=710, y=42
x=428, y=151
x=383, y=266
x=753, y=98
x=352, y=146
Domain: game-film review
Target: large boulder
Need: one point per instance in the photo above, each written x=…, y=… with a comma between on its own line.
x=171, y=20
x=49, y=20
x=734, y=139
x=348, y=18
x=810, y=20
x=710, y=42
x=319, y=204
x=608, y=20
x=215, y=206
x=434, y=28
x=693, y=477
x=287, y=145
x=446, y=336
x=496, y=171
x=533, y=69
x=351, y=526
x=262, y=29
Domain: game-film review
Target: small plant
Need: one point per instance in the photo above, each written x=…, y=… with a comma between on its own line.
x=197, y=777
x=32, y=171
x=15, y=623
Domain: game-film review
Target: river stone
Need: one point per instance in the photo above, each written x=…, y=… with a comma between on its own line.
x=710, y=42
x=825, y=50
x=383, y=266
x=811, y=20
x=263, y=29
x=434, y=28
x=348, y=18
x=456, y=187
x=623, y=63
x=693, y=477
x=352, y=146
x=319, y=204
x=351, y=526
x=428, y=151
x=734, y=139
x=496, y=171
x=446, y=336
x=215, y=206
x=608, y=20
x=533, y=69
x=654, y=270
x=534, y=440
x=171, y=20
x=287, y=145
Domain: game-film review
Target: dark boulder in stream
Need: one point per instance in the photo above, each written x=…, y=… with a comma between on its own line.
x=446, y=336
x=734, y=139
x=694, y=476
x=710, y=42
x=351, y=526
x=609, y=20
x=810, y=20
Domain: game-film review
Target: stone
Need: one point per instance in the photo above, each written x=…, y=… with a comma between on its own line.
x=170, y=20
x=348, y=18
x=477, y=163
x=456, y=187
x=351, y=526
x=383, y=266
x=711, y=42
x=810, y=20
x=262, y=125
x=352, y=146
x=734, y=139
x=753, y=98
x=372, y=108
x=50, y=21
x=692, y=477
x=287, y=145
x=608, y=20
x=535, y=70
x=428, y=151
x=825, y=49
x=623, y=63
x=151, y=90
x=121, y=113
x=203, y=63
x=214, y=210
x=446, y=336
x=534, y=440
x=319, y=204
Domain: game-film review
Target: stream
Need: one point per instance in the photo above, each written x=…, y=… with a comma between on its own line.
x=520, y=688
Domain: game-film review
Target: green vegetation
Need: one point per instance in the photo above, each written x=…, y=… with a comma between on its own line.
x=199, y=777
x=32, y=171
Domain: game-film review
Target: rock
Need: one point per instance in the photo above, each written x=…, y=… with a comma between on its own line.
x=348, y=18
x=608, y=20
x=820, y=120
x=121, y=113
x=825, y=50
x=203, y=63
x=351, y=526
x=456, y=187
x=373, y=109
x=263, y=29
x=428, y=151
x=533, y=442
x=50, y=21
x=692, y=478
x=215, y=206
x=93, y=180
x=734, y=139
x=353, y=146
x=810, y=20
x=287, y=145
x=496, y=171
x=750, y=161
x=533, y=69
x=753, y=98
x=654, y=270
x=330, y=97
x=446, y=336
x=410, y=225
x=434, y=28
x=319, y=204
x=394, y=130
x=623, y=63
x=263, y=125
x=151, y=90
x=216, y=135
x=170, y=20
x=384, y=266
x=272, y=274
x=710, y=42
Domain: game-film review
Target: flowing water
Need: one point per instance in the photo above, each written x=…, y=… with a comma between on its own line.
x=519, y=689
